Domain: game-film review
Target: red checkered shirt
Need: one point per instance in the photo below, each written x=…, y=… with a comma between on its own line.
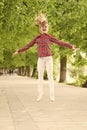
x=43, y=42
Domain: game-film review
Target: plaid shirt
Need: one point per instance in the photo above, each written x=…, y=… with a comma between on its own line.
x=43, y=42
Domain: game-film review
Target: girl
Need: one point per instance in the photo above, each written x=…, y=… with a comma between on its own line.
x=43, y=41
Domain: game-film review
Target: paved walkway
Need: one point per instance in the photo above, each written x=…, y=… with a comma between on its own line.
x=19, y=109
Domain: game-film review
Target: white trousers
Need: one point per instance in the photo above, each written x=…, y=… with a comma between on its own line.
x=45, y=62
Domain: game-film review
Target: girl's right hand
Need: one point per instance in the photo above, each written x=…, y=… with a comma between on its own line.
x=15, y=53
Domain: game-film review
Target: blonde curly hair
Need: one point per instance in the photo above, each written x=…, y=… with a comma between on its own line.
x=41, y=20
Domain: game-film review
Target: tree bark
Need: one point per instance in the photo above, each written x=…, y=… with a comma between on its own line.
x=27, y=71
x=63, y=63
x=21, y=70
x=34, y=72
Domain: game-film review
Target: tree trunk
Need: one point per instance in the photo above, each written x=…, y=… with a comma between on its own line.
x=21, y=70
x=63, y=62
x=34, y=72
x=27, y=71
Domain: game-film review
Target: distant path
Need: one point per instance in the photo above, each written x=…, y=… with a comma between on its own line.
x=20, y=111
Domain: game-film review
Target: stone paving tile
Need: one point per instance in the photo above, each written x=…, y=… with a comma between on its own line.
x=22, y=120
x=20, y=111
x=6, y=122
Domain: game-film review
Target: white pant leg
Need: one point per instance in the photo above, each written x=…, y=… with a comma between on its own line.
x=49, y=68
x=40, y=67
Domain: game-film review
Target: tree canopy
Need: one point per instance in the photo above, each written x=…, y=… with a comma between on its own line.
x=67, y=22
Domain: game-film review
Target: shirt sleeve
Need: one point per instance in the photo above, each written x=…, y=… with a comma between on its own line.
x=61, y=43
x=30, y=44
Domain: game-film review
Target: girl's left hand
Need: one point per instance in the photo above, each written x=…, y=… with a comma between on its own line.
x=73, y=47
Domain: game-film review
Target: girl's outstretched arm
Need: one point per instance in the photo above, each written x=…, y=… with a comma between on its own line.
x=61, y=43
x=30, y=44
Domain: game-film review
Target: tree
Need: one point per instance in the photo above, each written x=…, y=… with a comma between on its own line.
x=67, y=20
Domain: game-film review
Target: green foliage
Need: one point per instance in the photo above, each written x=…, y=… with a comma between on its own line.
x=67, y=22
x=80, y=59
x=81, y=80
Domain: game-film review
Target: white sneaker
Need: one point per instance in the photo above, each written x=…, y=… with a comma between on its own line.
x=39, y=97
x=52, y=99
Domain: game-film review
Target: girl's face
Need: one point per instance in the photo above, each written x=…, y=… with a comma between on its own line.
x=43, y=29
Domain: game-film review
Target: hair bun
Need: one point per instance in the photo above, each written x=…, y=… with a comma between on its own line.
x=41, y=19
